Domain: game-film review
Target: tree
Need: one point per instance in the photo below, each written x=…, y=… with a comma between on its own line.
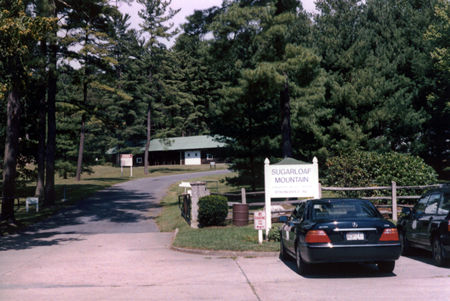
x=271, y=66
x=156, y=14
x=89, y=27
x=19, y=34
x=437, y=129
x=377, y=73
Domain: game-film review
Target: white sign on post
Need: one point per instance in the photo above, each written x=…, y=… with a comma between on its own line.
x=126, y=160
x=292, y=181
x=260, y=223
x=287, y=181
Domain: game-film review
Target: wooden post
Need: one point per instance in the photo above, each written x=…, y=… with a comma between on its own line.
x=394, y=201
x=243, y=196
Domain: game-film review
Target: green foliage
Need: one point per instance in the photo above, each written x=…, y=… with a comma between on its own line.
x=256, y=53
x=274, y=234
x=212, y=210
x=360, y=169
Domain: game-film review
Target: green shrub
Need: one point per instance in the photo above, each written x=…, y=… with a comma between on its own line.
x=274, y=234
x=212, y=210
x=359, y=169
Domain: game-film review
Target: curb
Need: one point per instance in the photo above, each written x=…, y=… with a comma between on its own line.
x=220, y=253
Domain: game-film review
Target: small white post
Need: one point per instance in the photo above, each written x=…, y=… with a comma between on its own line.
x=394, y=201
x=131, y=171
x=316, y=178
x=260, y=237
x=267, y=196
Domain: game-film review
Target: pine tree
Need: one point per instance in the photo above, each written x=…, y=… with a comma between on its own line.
x=155, y=15
x=19, y=34
x=89, y=27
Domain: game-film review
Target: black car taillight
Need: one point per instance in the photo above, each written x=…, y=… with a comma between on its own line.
x=317, y=236
x=389, y=234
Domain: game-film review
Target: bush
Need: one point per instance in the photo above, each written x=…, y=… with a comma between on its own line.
x=359, y=169
x=274, y=234
x=212, y=210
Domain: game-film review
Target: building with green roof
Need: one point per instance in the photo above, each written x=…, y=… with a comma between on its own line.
x=191, y=150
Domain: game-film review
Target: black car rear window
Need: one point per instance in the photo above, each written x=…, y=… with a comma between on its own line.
x=337, y=209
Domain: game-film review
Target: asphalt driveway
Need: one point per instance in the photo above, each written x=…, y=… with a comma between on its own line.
x=109, y=248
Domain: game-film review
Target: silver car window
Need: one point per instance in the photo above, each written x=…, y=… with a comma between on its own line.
x=433, y=203
x=444, y=206
x=419, y=208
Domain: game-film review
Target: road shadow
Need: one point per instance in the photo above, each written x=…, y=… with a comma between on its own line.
x=423, y=256
x=340, y=270
x=113, y=210
x=24, y=241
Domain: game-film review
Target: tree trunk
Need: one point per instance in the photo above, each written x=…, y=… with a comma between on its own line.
x=10, y=158
x=40, y=157
x=147, y=144
x=82, y=135
x=80, y=150
x=51, y=131
x=286, y=121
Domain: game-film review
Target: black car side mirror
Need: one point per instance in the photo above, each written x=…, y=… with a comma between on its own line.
x=406, y=210
x=283, y=219
x=295, y=221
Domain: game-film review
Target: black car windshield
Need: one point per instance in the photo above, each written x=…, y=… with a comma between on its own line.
x=343, y=209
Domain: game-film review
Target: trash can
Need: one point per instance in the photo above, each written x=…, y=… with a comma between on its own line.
x=240, y=214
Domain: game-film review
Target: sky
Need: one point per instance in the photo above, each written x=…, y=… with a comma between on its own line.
x=187, y=8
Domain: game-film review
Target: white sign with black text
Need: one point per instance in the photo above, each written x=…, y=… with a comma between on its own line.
x=126, y=160
x=289, y=181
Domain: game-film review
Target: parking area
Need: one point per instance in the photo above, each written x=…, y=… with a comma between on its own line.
x=414, y=278
x=141, y=266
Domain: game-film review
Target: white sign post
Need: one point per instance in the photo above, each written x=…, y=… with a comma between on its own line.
x=260, y=224
x=287, y=181
x=126, y=160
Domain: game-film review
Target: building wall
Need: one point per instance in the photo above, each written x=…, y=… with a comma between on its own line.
x=192, y=157
x=173, y=157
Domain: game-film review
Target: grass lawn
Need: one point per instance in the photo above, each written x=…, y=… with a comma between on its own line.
x=211, y=238
x=102, y=177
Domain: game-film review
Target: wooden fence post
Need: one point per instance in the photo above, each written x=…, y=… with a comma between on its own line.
x=394, y=201
x=243, y=196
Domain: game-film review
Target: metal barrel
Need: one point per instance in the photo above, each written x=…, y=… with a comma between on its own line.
x=240, y=214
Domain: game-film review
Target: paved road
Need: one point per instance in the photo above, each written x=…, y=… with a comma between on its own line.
x=108, y=249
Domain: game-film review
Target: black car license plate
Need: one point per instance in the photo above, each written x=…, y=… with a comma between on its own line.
x=354, y=236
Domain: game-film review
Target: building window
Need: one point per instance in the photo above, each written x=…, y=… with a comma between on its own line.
x=139, y=160
x=209, y=157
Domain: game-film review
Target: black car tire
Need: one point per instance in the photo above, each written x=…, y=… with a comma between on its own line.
x=406, y=248
x=303, y=268
x=438, y=252
x=386, y=266
x=283, y=254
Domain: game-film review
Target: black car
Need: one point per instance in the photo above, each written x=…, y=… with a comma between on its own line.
x=339, y=230
x=427, y=225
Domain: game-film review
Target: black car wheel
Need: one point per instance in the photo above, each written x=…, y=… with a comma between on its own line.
x=386, y=266
x=404, y=244
x=438, y=252
x=303, y=268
